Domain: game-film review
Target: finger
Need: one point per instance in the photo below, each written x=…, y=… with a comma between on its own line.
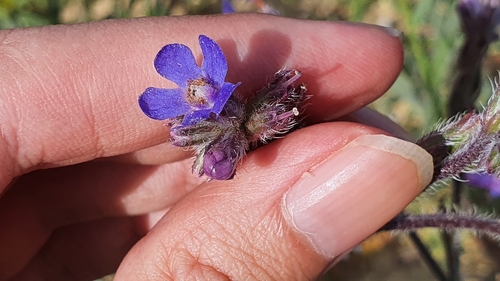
x=155, y=155
x=300, y=202
x=83, y=251
x=74, y=99
x=44, y=200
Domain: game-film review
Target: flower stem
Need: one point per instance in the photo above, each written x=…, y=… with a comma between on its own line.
x=481, y=224
x=450, y=238
x=448, y=222
x=452, y=254
x=427, y=257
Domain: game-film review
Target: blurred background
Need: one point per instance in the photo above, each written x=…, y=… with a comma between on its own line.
x=416, y=101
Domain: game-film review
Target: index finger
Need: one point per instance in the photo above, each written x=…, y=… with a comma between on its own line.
x=70, y=92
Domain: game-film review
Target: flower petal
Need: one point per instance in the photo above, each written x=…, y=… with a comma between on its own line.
x=196, y=117
x=225, y=92
x=161, y=104
x=214, y=62
x=217, y=166
x=223, y=155
x=177, y=63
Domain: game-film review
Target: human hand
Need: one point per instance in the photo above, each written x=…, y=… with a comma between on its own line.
x=84, y=175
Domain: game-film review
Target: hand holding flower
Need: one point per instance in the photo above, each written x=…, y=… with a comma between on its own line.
x=90, y=185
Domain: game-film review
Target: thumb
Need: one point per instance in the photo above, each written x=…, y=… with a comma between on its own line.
x=296, y=205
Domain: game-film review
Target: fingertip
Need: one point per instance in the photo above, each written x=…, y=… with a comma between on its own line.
x=356, y=190
x=352, y=65
x=345, y=65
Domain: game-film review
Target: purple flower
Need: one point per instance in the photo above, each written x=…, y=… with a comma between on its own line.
x=485, y=181
x=262, y=7
x=227, y=8
x=202, y=91
x=480, y=17
x=205, y=115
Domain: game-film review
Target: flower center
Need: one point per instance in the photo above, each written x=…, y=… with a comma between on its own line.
x=199, y=93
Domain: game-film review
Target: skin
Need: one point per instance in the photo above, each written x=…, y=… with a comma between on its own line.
x=84, y=175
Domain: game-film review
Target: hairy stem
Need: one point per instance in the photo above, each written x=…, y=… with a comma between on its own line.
x=480, y=224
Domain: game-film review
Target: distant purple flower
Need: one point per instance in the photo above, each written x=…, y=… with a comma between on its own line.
x=480, y=16
x=488, y=182
x=262, y=7
x=227, y=8
x=202, y=91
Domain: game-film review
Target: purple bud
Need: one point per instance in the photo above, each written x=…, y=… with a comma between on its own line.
x=218, y=166
x=222, y=157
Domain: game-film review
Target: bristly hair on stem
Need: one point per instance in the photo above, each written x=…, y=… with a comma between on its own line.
x=467, y=143
x=482, y=224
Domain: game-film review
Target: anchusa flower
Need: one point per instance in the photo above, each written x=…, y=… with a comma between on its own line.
x=202, y=91
x=206, y=115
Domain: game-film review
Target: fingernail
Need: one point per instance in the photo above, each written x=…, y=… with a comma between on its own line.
x=394, y=32
x=348, y=196
x=389, y=30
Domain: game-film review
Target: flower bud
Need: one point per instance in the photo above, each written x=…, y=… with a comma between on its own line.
x=222, y=157
x=276, y=107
